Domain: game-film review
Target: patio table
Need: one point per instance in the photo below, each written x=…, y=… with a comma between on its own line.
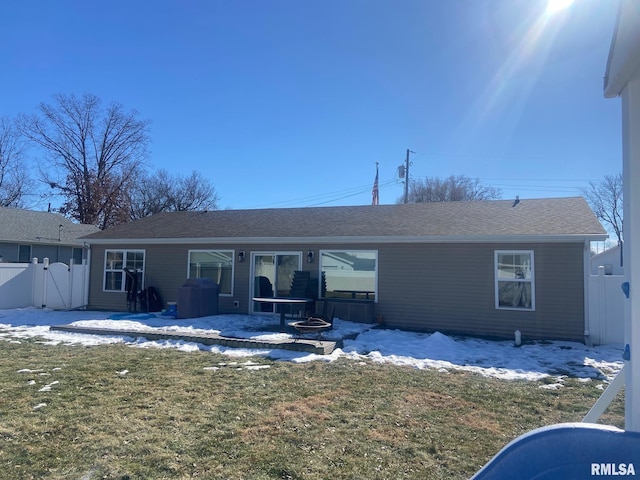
x=282, y=301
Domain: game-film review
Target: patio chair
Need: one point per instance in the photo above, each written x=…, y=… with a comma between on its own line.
x=324, y=316
x=299, y=284
x=264, y=288
x=131, y=288
x=300, y=287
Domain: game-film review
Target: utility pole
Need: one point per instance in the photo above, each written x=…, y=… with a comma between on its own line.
x=403, y=172
x=406, y=177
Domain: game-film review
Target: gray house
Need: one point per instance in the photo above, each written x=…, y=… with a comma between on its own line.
x=25, y=234
x=481, y=268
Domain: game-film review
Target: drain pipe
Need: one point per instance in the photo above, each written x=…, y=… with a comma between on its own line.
x=45, y=264
x=586, y=272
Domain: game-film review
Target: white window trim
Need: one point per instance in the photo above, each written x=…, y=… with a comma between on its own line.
x=124, y=251
x=233, y=265
x=356, y=250
x=252, y=273
x=531, y=281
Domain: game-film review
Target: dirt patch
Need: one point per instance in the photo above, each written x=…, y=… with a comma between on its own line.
x=293, y=415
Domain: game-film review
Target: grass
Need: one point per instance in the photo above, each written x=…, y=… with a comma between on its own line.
x=172, y=416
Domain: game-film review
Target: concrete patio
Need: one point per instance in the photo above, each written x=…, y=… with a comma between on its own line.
x=306, y=343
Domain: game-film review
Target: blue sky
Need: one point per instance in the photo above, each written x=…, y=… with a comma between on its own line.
x=290, y=103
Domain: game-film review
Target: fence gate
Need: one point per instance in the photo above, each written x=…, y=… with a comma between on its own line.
x=59, y=286
x=606, y=308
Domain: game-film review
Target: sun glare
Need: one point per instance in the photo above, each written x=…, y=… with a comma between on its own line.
x=554, y=6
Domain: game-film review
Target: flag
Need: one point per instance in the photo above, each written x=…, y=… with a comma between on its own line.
x=374, y=193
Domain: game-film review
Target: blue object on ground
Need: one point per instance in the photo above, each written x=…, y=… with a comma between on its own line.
x=566, y=450
x=171, y=311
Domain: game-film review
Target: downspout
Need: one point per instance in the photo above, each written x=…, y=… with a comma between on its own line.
x=70, y=269
x=45, y=265
x=86, y=268
x=586, y=271
x=34, y=278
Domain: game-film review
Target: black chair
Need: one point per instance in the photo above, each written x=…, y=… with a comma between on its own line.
x=264, y=288
x=131, y=288
x=299, y=284
x=299, y=288
x=328, y=318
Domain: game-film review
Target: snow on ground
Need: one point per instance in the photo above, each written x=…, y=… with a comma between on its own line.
x=500, y=359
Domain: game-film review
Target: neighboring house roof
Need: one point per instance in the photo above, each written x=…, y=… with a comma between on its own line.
x=554, y=219
x=30, y=227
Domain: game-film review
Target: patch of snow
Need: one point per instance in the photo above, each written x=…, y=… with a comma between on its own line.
x=499, y=359
x=47, y=388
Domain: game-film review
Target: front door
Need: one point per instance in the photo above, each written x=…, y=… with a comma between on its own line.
x=272, y=276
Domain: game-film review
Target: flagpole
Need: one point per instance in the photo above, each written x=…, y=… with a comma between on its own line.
x=375, y=193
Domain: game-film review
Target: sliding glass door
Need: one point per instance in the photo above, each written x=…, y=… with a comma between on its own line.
x=272, y=276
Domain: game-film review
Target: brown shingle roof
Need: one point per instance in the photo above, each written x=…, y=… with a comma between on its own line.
x=557, y=217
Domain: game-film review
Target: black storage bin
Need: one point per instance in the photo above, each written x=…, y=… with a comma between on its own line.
x=198, y=297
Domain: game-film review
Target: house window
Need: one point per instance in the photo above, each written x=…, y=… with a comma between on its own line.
x=115, y=263
x=77, y=256
x=349, y=274
x=515, y=285
x=24, y=253
x=214, y=264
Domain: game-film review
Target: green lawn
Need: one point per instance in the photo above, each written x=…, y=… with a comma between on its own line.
x=174, y=416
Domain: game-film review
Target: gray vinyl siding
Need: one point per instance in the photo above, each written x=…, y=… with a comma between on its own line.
x=166, y=270
x=446, y=287
x=451, y=288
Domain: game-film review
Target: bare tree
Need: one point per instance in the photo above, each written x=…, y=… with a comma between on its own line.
x=162, y=192
x=194, y=193
x=605, y=199
x=450, y=189
x=14, y=178
x=94, y=154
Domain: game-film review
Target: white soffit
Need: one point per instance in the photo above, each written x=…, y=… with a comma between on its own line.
x=624, y=54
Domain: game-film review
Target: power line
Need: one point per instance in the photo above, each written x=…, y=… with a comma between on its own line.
x=327, y=197
x=384, y=184
x=502, y=179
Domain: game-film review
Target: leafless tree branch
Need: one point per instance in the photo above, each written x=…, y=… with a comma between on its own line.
x=451, y=189
x=605, y=199
x=14, y=178
x=93, y=154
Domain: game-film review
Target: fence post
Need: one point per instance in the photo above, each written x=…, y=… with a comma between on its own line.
x=34, y=275
x=86, y=262
x=45, y=263
x=602, y=306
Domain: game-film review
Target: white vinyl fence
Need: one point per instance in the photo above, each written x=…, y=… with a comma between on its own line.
x=606, y=308
x=56, y=286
